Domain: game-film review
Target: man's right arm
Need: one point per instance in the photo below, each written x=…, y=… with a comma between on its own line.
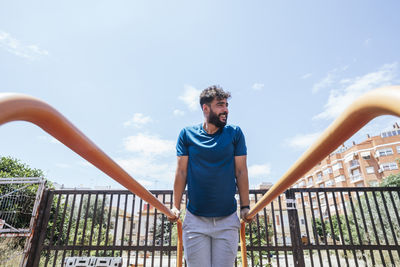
x=179, y=184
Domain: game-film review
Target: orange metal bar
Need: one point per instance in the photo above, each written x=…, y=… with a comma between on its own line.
x=243, y=248
x=18, y=107
x=179, y=254
x=382, y=101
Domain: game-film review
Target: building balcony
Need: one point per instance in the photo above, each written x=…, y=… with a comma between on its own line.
x=356, y=178
x=354, y=164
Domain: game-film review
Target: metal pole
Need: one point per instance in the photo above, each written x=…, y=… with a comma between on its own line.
x=295, y=236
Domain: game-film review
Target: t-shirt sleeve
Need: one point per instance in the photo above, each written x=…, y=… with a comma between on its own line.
x=181, y=145
x=240, y=143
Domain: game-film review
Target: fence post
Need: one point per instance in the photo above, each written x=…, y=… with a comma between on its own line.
x=297, y=245
x=32, y=256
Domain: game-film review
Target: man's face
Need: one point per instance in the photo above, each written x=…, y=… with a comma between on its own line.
x=218, y=112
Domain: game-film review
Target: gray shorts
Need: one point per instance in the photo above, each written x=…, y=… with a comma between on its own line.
x=210, y=241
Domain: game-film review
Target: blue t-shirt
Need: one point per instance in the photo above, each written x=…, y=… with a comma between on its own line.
x=211, y=176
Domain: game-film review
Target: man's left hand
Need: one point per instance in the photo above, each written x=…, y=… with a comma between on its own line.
x=243, y=214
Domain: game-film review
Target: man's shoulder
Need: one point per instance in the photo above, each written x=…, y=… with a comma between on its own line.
x=192, y=128
x=232, y=128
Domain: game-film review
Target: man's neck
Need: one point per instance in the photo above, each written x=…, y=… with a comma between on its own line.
x=210, y=128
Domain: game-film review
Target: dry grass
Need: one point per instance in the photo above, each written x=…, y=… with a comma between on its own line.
x=10, y=251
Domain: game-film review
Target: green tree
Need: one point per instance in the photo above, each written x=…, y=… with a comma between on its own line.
x=95, y=218
x=339, y=228
x=163, y=230
x=391, y=180
x=12, y=168
x=256, y=235
x=22, y=210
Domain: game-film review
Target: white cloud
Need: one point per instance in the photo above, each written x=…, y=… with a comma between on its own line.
x=259, y=170
x=191, y=97
x=178, y=112
x=258, y=86
x=15, y=47
x=302, y=141
x=138, y=120
x=149, y=145
x=306, y=76
x=328, y=80
x=147, y=171
x=350, y=89
x=145, y=183
x=324, y=83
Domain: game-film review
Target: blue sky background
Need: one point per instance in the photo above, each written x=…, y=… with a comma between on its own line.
x=128, y=74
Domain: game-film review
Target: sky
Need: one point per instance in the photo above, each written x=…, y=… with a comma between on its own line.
x=128, y=74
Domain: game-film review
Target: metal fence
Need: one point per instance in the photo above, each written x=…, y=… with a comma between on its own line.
x=303, y=227
x=19, y=199
x=19, y=202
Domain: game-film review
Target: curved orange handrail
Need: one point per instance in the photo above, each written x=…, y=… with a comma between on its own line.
x=382, y=101
x=19, y=107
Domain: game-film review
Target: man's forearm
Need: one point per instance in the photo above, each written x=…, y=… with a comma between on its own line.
x=243, y=187
x=179, y=188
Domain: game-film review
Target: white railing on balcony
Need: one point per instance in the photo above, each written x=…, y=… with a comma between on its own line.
x=356, y=178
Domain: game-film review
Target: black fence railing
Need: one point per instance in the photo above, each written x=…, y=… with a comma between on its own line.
x=303, y=227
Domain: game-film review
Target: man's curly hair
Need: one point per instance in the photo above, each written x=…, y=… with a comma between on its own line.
x=212, y=92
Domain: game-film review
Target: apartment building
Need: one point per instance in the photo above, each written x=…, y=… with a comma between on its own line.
x=363, y=164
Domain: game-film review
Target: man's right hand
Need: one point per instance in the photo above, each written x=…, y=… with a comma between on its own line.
x=177, y=213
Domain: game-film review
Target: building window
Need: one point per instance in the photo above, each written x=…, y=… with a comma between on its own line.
x=277, y=219
x=355, y=175
x=327, y=171
x=354, y=163
x=337, y=166
x=366, y=155
x=319, y=176
x=360, y=184
x=389, y=166
x=385, y=152
x=355, y=172
x=370, y=169
x=339, y=179
x=390, y=133
x=309, y=181
x=322, y=185
x=329, y=183
x=302, y=221
x=398, y=149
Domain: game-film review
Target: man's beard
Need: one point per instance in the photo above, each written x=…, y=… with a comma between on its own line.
x=213, y=118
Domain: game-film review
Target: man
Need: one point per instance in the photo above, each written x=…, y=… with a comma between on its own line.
x=212, y=162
